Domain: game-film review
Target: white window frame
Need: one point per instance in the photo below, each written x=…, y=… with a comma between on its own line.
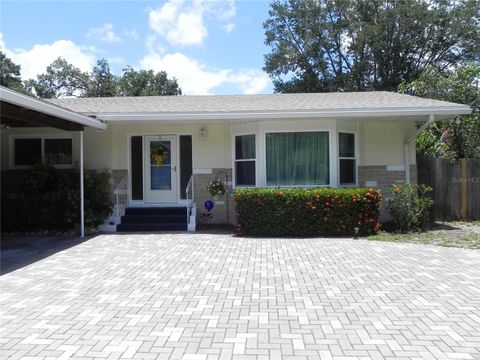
x=234, y=170
x=355, y=153
x=42, y=137
x=327, y=131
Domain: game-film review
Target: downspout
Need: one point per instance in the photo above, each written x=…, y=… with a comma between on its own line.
x=82, y=204
x=406, y=146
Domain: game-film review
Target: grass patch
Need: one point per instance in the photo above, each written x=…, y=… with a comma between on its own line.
x=458, y=235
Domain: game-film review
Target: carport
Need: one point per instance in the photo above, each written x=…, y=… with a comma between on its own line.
x=19, y=110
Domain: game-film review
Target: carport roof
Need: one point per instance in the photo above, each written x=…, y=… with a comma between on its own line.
x=19, y=110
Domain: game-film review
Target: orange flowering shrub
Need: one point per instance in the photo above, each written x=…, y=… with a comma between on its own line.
x=307, y=212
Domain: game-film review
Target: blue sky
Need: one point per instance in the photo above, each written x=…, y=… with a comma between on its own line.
x=210, y=46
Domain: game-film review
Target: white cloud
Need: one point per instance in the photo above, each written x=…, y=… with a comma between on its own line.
x=132, y=33
x=250, y=81
x=228, y=28
x=104, y=33
x=182, y=22
x=196, y=78
x=34, y=61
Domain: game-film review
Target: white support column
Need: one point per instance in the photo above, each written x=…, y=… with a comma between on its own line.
x=82, y=215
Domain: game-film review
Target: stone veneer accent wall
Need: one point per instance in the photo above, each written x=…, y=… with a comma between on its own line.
x=219, y=215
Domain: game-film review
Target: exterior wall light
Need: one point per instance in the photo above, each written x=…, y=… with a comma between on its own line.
x=203, y=134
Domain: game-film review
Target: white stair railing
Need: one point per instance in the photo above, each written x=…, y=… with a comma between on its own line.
x=191, y=208
x=121, y=198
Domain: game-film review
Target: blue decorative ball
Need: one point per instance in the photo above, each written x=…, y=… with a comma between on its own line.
x=209, y=205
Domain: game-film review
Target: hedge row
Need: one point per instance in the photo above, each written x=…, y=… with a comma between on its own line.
x=307, y=212
x=48, y=199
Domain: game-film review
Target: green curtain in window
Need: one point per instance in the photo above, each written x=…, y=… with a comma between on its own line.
x=300, y=158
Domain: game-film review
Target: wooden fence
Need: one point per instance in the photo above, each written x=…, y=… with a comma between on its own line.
x=456, y=187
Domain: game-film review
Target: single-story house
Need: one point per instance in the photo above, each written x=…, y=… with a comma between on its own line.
x=163, y=150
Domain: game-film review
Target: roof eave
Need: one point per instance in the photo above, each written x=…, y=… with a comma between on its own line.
x=31, y=103
x=292, y=114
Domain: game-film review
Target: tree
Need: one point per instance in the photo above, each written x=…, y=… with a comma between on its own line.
x=450, y=139
x=10, y=74
x=102, y=82
x=146, y=83
x=61, y=79
x=356, y=45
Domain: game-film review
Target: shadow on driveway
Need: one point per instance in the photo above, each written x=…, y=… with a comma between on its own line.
x=22, y=250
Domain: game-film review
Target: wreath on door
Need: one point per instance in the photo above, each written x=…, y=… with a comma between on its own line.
x=159, y=154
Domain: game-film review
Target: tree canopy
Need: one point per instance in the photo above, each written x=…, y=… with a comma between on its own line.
x=450, y=139
x=356, y=45
x=146, y=83
x=62, y=79
x=10, y=74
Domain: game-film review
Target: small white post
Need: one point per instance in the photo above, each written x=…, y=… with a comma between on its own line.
x=82, y=215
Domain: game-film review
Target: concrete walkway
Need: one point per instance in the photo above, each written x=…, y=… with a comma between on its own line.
x=201, y=296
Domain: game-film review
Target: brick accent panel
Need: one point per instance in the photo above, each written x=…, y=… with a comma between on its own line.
x=384, y=179
x=219, y=213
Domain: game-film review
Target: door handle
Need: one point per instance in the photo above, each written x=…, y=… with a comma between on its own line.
x=175, y=168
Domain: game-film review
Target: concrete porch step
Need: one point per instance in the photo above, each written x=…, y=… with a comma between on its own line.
x=152, y=227
x=144, y=219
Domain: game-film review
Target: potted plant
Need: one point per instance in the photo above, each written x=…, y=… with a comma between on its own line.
x=216, y=188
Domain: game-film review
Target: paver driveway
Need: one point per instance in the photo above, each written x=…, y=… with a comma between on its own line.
x=199, y=296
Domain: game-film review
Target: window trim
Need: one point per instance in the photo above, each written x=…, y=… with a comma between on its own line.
x=234, y=158
x=42, y=137
x=355, y=158
x=330, y=143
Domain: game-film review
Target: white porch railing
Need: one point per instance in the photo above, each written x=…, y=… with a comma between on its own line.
x=121, y=198
x=191, y=207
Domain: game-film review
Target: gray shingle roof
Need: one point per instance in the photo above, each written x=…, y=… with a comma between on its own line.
x=375, y=100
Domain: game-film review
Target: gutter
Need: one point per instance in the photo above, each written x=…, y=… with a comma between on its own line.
x=288, y=114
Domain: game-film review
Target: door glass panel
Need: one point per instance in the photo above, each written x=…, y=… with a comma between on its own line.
x=160, y=165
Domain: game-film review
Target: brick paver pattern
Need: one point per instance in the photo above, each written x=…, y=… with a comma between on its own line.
x=201, y=296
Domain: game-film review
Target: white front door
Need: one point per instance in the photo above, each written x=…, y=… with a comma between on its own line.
x=161, y=169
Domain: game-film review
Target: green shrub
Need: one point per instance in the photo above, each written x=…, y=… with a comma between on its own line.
x=49, y=199
x=306, y=212
x=409, y=206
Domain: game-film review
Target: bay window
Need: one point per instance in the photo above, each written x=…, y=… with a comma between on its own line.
x=297, y=158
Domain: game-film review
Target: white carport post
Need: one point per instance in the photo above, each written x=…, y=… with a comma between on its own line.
x=82, y=215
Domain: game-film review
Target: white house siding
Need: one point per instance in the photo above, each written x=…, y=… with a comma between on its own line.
x=379, y=149
x=382, y=160
x=383, y=142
